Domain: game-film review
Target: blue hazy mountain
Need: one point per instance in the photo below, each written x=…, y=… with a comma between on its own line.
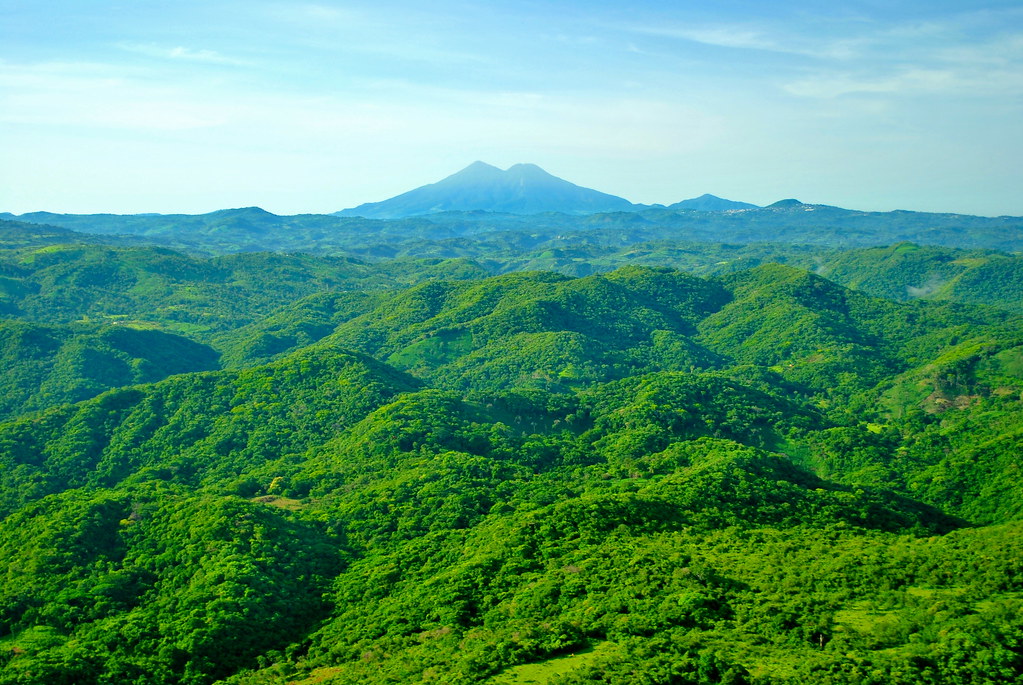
x=790, y=203
x=521, y=189
x=711, y=203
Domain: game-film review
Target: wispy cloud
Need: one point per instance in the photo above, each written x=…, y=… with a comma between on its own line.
x=1004, y=50
x=183, y=53
x=830, y=85
x=971, y=54
x=980, y=37
x=104, y=97
x=721, y=36
x=946, y=63
x=753, y=37
x=911, y=81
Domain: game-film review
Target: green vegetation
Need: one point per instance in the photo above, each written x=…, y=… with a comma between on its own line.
x=154, y=586
x=194, y=296
x=45, y=366
x=404, y=472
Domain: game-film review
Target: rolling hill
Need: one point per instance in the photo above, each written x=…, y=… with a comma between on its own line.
x=406, y=469
x=780, y=508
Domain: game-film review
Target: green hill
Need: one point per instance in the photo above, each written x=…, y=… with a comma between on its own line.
x=45, y=366
x=194, y=296
x=222, y=427
x=640, y=476
x=538, y=330
x=906, y=271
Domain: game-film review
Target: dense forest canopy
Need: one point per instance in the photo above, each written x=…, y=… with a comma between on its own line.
x=445, y=450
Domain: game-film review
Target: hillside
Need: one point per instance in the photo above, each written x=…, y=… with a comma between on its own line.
x=548, y=331
x=45, y=366
x=640, y=476
x=196, y=296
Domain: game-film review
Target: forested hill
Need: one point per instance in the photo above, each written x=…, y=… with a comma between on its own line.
x=186, y=294
x=639, y=476
x=549, y=331
x=49, y=365
x=793, y=223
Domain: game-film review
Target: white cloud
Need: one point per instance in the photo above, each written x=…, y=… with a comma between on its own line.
x=749, y=37
x=978, y=38
x=1002, y=51
x=398, y=115
x=721, y=36
x=183, y=53
x=977, y=54
x=911, y=81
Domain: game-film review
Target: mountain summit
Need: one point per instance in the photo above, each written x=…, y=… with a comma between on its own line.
x=521, y=189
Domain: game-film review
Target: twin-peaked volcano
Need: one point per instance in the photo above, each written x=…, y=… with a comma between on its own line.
x=521, y=189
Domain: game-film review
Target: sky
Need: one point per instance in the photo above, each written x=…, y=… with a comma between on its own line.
x=310, y=107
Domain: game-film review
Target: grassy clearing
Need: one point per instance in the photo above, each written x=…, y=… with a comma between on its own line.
x=545, y=671
x=280, y=502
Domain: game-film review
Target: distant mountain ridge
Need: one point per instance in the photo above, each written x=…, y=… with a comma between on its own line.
x=520, y=208
x=711, y=203
x=521, y=189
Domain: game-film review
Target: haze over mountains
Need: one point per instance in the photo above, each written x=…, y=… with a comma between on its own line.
x=521, y=189
x=711, y=203
x=525, y=209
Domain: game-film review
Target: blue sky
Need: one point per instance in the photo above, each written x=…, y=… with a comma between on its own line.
x=189, y=106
